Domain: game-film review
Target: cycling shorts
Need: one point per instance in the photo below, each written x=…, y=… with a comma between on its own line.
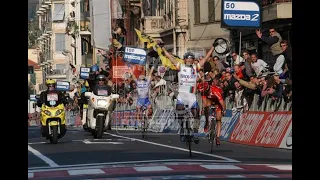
x=189, y=99
x=143, y=102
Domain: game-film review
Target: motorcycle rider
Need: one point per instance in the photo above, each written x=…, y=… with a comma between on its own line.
x=51, y=84
x=103, y=89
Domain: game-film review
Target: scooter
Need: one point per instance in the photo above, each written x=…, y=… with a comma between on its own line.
x=97, y=113
x=52, y=118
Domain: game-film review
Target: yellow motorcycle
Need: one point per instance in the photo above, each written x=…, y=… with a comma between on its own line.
x=53, y=120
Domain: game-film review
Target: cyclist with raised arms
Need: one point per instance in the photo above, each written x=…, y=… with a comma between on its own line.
x=143, y=86
x=187, y=81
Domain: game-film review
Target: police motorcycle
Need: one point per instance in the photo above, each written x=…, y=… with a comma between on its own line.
x=99, y=105
x=52, y=116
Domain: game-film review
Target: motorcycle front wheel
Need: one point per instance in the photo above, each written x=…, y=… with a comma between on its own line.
x=54, y=135
x=99, y=132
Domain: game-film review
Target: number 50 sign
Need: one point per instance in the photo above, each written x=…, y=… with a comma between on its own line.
x=241, y=14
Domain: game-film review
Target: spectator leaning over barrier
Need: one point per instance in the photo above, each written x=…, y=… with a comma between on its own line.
x=239, y=98
x=277, y=86
x=247, y=63
x=273, y=40
x=243, y=71
x=238, y=71
x=287, y=52
x=258, y=65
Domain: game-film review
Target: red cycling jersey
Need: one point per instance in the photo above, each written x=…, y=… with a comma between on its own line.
x=216, y=96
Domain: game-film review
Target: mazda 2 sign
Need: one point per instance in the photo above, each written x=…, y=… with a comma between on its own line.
x=241, y=14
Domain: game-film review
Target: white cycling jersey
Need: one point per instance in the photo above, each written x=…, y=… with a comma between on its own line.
x=143, y=88
x=187, y=77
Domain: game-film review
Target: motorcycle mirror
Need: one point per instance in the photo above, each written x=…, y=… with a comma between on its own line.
x=87, y=94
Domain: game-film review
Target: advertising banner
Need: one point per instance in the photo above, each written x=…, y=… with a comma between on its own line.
x=120, y=71
x=63, y=86
x=287, y=140
x=135, y=56
x=84, y=72
x=241, y=14
x=265, y=129
x=228, y=124
x=125, y=119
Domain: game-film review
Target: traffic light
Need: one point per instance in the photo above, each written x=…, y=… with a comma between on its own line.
x=30, y=70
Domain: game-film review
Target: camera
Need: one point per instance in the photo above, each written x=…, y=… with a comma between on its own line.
x=232, y=70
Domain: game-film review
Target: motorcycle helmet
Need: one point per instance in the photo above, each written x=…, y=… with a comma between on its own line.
x=51, y=83
x=86, y=84
x=101, y=77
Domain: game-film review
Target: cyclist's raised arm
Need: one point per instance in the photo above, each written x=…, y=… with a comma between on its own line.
x=150, y=73
x=134, y=78
x=170, y=57
x=202, y=61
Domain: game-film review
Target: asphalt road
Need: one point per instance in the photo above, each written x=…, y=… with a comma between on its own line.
x=126, y=149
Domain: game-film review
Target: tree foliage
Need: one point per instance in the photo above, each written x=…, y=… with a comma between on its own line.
x=33, y=31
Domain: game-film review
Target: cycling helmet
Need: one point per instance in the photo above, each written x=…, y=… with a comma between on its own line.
x=86, y=84
x=203, y=86
x=50, y=81
x=188, y=55
x=142, y=77
x=101, y=77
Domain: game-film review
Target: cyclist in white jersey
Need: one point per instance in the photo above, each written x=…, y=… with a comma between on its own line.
x=187, y=81
x=143, y=86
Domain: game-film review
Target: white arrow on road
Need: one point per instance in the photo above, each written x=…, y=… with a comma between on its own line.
x=86, y=141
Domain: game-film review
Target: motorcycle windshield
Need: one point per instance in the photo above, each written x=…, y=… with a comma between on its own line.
x=52, y=100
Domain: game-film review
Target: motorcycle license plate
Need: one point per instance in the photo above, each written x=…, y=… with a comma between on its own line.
x=52, y=97
x=102, y=92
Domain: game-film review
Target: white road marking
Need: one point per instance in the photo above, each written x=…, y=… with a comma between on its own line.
x=30, y=175
x=269, y=176
x=43, y=157
x=101, y=165
x=85, y=171
x=86, y=141
x=173, y=147
x=37, y=143
x=282, y=167
x=152, y=168
x=235, y=176
x=209, y=166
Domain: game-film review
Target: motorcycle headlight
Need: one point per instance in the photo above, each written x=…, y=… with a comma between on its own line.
x=102, y=103
x=58, y=112
x=48, y=113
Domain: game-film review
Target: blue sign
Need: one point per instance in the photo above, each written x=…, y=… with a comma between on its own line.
x=63, y=86
x=227, y=126
x=84, y=72
x=241, y=14
x=135, y=56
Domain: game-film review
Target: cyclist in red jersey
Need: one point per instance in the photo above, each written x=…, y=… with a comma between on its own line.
x=216, y=97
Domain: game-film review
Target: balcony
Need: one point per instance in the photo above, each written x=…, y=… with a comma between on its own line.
x=156, y=24
x=276, y=9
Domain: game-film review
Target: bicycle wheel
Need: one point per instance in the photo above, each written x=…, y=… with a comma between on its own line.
x=145, y=122
x=212, y=133
x=189, y=138
x=143, y=127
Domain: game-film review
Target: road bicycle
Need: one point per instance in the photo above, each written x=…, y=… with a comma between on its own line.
x=186, y=132
x=144, y=124
x=212, y=131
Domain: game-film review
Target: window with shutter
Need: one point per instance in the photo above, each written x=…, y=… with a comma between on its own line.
x=196, y=11
x=211, y=10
